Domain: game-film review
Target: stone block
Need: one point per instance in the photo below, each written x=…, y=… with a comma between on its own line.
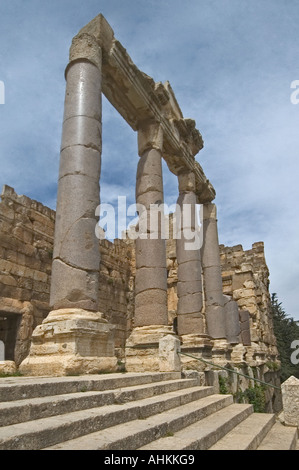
x=290, y=399
x=151, y=308
x=169, y=359
x=73, y=288
x=82, y=96
x=190, y=303
x=190, y=323
x=150, y=278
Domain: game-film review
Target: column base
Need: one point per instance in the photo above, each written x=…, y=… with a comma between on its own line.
x=71, y=341
x=238, y=354
x=142, y=349
x=221, y=352
x=198, y=346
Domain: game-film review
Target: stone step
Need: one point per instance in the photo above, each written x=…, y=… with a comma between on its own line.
x=132, y=435
x=37, y=408
x=45, y=432
x=280, y=437
x=203, y=434
x=18, y=388
x=248, y=434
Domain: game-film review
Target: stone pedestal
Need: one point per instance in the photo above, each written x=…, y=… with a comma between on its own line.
x=221, y=352
x=8, y=367
x=290, y=399
x=197, y=346
x=143, y=351
x=71, y=341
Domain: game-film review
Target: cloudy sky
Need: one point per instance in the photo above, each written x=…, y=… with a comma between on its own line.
x=230, y=63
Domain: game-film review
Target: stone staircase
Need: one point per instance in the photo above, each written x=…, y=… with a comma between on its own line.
x=144, y=411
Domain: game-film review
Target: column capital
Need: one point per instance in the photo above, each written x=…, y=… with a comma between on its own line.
x=187, y=182
x=85, y=47
x=150, y=136
x=209, y=211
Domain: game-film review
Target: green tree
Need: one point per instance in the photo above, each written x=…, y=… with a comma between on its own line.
x=286, y=330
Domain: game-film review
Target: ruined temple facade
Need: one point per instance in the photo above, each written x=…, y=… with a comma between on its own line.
x=26, y=247
x=71, y=303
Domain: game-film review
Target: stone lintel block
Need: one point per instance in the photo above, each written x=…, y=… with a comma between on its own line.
x=150, y=136
x=82, y=130
x=83, y=92
x=150, y=278
x=73, y=288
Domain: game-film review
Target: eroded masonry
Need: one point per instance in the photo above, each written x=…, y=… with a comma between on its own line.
x=70, y=303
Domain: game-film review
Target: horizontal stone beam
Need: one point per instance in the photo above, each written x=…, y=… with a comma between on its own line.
x=138, y=99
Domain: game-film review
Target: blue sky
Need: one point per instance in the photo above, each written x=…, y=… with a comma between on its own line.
x=230, y=64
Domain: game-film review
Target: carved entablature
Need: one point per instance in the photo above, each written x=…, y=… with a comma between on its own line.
x=138, y=98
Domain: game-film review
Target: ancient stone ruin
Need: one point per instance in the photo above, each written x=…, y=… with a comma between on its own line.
x=71, y=303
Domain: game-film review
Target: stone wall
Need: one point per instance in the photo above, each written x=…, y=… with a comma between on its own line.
x=26, y=246
x=245, y=277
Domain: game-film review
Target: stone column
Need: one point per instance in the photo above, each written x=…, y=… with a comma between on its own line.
x=189, y=287
x=151, y=314
x=214, y=299
x=190, y=319
x=75, y=337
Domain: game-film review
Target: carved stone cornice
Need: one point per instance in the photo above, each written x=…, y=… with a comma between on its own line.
x=138, y=98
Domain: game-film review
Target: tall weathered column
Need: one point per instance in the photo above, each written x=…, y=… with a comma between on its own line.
x=75, y=337
x=190, y=319
x=214, y=299
x=151, y=314
x=189, y=287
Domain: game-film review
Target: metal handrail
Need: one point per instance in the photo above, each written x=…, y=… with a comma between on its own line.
x=231, y=370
